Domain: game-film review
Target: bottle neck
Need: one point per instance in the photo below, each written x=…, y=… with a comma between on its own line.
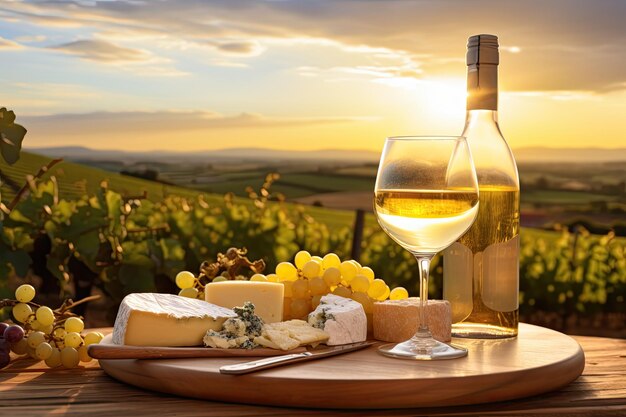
x=481, y=117
x=482, y=87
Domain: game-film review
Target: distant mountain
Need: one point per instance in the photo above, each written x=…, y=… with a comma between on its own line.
x=233, y=154
x=524, y=155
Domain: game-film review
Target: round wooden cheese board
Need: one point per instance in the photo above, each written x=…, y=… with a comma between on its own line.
x=537, y=361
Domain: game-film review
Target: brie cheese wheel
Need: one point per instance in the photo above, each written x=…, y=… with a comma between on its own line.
x=342, y=318
x=149, y=319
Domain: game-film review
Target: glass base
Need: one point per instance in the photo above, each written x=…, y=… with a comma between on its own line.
x=413, y=350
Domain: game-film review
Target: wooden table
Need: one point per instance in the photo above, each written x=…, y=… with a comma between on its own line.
x=28, y=388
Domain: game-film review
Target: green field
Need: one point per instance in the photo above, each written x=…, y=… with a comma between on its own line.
x=75, y=179
x=564, y=197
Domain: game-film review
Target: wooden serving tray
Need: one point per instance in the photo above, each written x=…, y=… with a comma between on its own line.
x=537, y=361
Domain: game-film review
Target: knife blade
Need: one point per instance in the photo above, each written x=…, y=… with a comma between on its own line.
x=257, y=365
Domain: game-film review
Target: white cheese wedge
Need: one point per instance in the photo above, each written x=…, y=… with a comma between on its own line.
x=342, y=318
x=290, y=334
x=147, y=319
x=267, y=297
x=398, y=320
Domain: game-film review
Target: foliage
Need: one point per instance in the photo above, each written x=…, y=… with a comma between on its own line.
x=126, y=244
x=11, y=136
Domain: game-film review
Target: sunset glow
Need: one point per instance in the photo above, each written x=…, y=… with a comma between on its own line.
x=187, y=75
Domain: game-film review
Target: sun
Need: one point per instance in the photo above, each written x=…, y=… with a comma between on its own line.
x=446, y=97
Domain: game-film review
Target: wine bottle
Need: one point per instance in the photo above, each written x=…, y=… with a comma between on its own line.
x=481, y=269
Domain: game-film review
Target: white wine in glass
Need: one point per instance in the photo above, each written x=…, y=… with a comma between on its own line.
x=426, y=197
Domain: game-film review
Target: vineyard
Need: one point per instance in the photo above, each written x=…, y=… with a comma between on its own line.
x=115, y=244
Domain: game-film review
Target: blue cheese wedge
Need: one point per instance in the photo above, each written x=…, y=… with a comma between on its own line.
x=149, y=319
x=342, y=318
x=237, y=332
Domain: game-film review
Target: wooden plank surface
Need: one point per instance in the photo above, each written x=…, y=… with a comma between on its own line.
x=26, y=390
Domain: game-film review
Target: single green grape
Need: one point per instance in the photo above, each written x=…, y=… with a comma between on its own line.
x=21, y=312
x=259, y=278
x=311, y=269
x=398, y=293
x=73, y=340
x=69, y=357
x=189, y=292
x=43, y=351
x=367, y=271
x=59, y=332
x=360, y=283
x=185, y=279
x=342, y=292
x=332, y=276
x=45, y=316
x=74, y=324
x=92, y=338
x=286, y=271
x=54, y=359
x=331, y=260
x=35, y=339
x=220, y=279
x=377, y=288
x=272, y=277
x=25, y=293
x=83, y=356
x=302, y=258
x=348, y=271
x=385, y=295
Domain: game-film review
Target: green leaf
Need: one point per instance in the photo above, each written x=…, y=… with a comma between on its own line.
x=136, y=279
x=11, y=136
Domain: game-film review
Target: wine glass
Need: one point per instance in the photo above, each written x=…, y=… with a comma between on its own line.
x=426, y=197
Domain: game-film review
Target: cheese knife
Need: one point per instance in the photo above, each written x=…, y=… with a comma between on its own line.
x=111, y=351
x=257, y=365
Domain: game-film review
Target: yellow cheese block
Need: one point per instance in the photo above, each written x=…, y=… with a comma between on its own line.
x=397, y=320
x=267, y=297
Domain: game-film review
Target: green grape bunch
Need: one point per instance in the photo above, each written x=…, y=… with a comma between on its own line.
x=53, y=336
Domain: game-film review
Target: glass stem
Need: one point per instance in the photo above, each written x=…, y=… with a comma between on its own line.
x=424, y=268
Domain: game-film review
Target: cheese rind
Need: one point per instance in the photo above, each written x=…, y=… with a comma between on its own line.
x=398, y=320
x=342, y=318
x=267, y=297
x=150, y=319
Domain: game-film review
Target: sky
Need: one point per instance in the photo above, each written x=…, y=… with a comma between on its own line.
x=195, y=75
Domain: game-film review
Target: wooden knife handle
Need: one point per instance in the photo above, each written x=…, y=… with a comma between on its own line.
x=107, y=351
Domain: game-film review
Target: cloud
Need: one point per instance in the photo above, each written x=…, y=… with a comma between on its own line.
x=146, y=123
x=8, y=44
x=556, y=45
x=29, y=39
x=98, y=50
